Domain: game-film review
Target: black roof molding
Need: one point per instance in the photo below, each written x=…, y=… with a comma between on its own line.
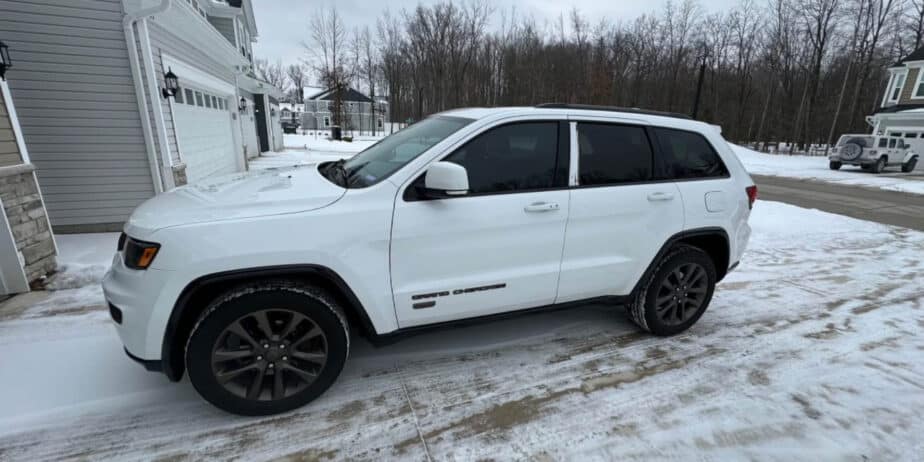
x=627, y=110
x=916, y=55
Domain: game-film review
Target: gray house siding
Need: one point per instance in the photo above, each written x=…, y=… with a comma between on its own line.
x=225, y=26
x=76, y=104
x=9, y=150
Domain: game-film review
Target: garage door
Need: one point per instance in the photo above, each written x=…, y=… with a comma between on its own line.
x=203, y=124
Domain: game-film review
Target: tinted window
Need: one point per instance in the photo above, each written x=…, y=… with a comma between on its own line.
x=611, y=154
x=510, y=158
x=883, y=142
x=688, y=155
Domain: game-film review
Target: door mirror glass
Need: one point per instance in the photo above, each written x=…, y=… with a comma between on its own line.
x=445, y=179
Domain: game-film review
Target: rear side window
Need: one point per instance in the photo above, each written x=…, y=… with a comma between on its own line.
x=688, y=155
x=613, y=154
x=514, y=157
x=883, y=142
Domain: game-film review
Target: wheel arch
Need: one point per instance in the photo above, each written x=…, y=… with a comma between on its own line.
x=196, y=296
x=712, y=240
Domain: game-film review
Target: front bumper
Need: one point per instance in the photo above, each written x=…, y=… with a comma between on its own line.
x=138, y=296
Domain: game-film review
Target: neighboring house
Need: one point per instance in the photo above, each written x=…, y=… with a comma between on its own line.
x=901, y=112
x=27, y=247
x=316, y=112
x=88, y=80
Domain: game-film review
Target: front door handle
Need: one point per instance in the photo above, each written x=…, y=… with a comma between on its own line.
x=542, y=207
x=660, y=196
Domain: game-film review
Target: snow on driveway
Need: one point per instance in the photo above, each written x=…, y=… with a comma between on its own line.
x=816, y=168
x=811, y=350
x=306, y=149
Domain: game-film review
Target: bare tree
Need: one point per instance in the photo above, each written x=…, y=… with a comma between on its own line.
x=274, y=74
x=298, y=77
x=328, y=48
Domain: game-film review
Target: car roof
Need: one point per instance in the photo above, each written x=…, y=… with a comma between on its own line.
x=627, y=114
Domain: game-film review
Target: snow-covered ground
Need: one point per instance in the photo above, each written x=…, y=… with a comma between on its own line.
x=811, y=350
x=303, y=149
x=816, y=168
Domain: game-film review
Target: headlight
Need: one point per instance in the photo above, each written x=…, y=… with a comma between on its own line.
x=139, y=254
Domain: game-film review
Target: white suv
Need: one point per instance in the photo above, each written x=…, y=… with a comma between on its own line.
x=251, y=282
x=873, y=153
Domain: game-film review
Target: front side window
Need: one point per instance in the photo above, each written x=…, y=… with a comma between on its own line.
x=393, y=152
x=892, y=143
x=515, y=157
x=613, y=154
x=688, y=155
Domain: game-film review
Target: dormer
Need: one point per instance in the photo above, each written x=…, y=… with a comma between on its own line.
x=906, y=81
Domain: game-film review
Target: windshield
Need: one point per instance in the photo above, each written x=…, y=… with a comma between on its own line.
x=393, y=152
x=862, y=141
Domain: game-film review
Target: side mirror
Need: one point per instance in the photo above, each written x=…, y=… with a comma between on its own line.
x=445, y=179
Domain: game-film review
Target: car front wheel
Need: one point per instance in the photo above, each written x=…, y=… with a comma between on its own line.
x=880, y=165
x=910, y=165
x=834, y=165
x=677, y=292
x=267, y=347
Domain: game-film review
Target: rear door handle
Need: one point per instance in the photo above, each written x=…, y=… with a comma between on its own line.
x=541, y=207
x=660, y=196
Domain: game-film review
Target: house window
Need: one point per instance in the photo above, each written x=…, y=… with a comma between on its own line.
x=199, y=100
x=178, y=98
x=897, y=83
x=919, y=87
x=190, y=98
x=327, y=121
x=208, y=101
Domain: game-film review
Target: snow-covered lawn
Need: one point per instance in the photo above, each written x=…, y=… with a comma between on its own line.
x=811, y=350
x=816, y=168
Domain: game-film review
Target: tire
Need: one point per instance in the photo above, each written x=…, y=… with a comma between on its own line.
x=303, y=321
x=834, y=165
x=910, y=165
x=643, y=310
x=880, y=165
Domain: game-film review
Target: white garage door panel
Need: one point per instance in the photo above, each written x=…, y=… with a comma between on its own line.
x=206, y=141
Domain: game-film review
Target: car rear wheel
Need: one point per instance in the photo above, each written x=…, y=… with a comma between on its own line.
x=880, y=165
x=268, y=347
x=834, y=165
x=910, y=165
x=676, y=294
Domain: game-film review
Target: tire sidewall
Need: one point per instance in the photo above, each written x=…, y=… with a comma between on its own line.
x=686, y=255
x=203, y=337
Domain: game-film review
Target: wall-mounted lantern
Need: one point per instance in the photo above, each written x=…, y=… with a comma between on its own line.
x=5, y=62
x=272, y=112
x=242, y=105
x=171, y=84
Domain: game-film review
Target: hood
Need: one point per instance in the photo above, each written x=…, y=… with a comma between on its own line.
x=235, y=196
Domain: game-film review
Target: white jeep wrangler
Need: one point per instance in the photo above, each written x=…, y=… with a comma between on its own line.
x=873, y=153
x=251, y=282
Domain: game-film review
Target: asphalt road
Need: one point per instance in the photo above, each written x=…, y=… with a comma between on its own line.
x=892, y=208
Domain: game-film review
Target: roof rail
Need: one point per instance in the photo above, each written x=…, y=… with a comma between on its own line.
x=629, y=110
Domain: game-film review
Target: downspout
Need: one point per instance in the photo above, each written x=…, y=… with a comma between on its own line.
x=128, y=22
x=154, y=91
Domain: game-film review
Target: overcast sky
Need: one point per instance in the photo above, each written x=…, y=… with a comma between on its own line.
x=283, y=24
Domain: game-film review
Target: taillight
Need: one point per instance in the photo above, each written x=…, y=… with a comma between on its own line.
x=752, y=195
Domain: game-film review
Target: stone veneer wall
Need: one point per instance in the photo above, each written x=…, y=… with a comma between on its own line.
x=25, y=212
